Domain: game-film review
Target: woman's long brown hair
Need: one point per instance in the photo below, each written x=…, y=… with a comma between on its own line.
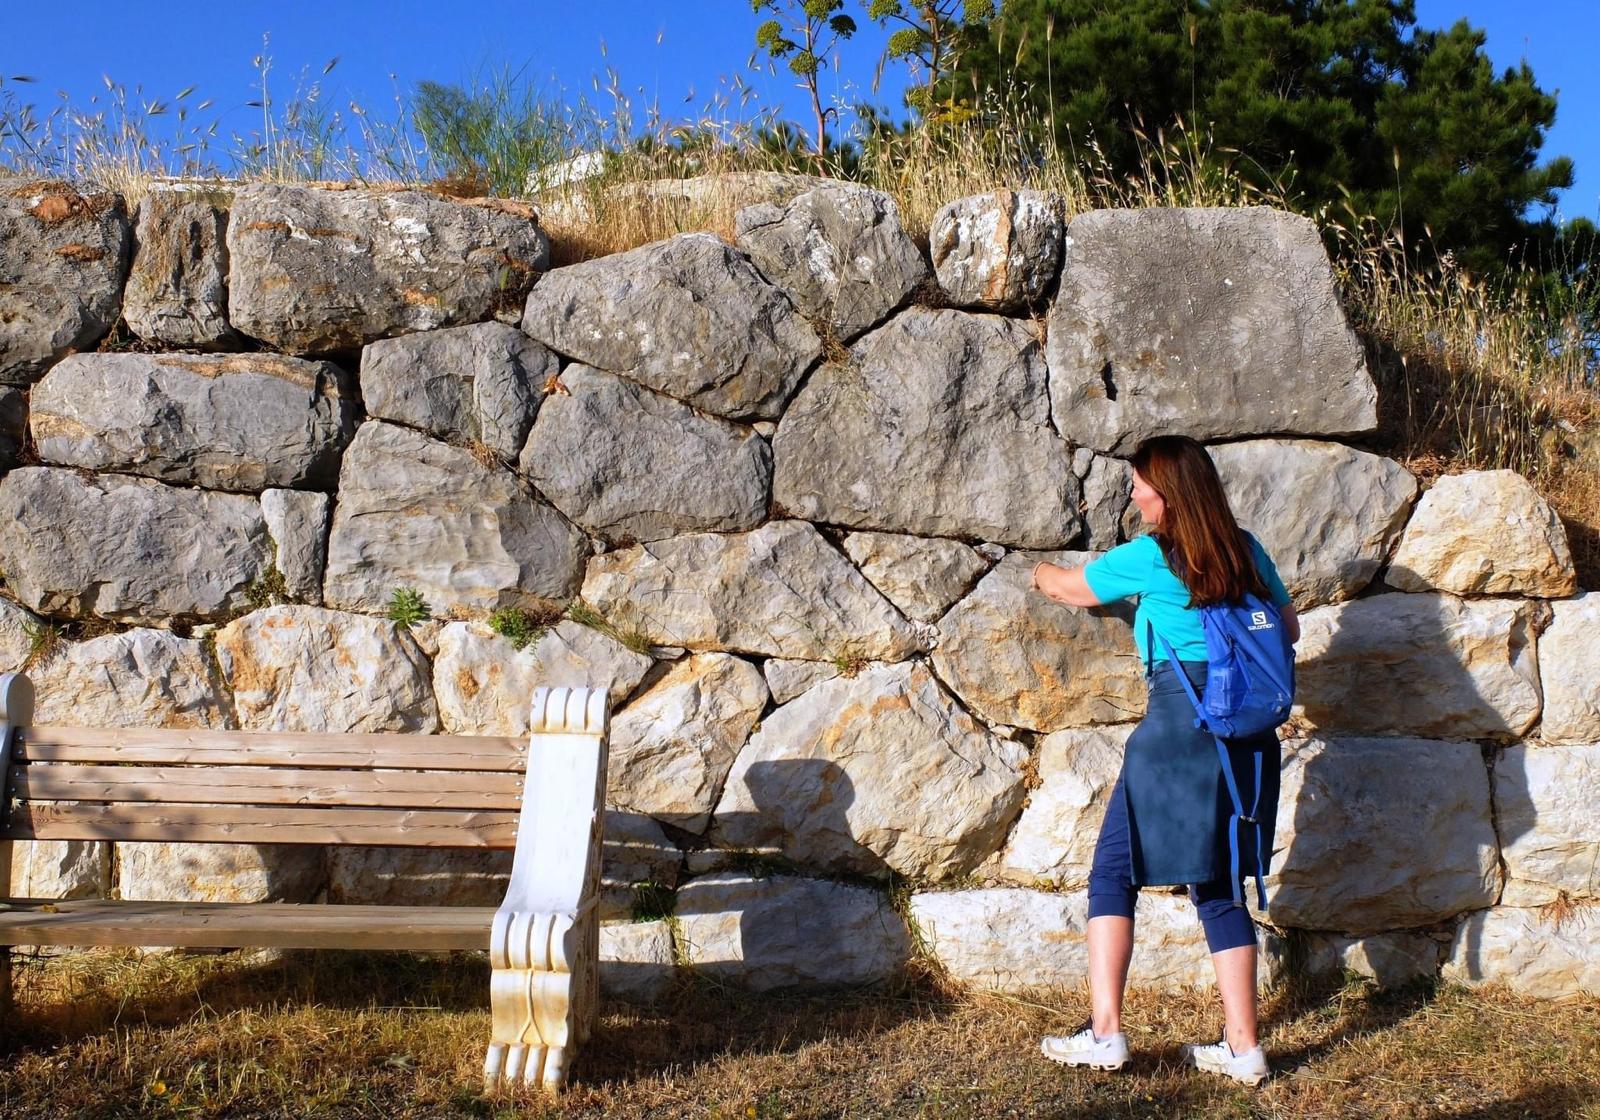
x=1202, y=542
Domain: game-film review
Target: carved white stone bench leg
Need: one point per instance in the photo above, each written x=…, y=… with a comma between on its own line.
x=544, y=945
x=16, y=711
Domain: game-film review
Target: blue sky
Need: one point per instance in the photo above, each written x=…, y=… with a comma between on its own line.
x=673, y=54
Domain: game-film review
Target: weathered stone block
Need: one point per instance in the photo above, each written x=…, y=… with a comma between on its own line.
x=1018, y=658
x=631, y=465
x=312, y=271
x=475, y=385
x=838, y=250
x=1484, y=533
x=688, y=317
x=779, y=591
x=874, y=774
x=63, y=257
x=310, y=669
x=787, y=932
x=1327, y=514
x=1381, y=834
x=130, y=549
x=235, y=422
x=1211, y=322
x=1428, y=664
x=938, y=425
x=177, y=293
x=414, y=512
x=1000, y=250
x=671, y=748
x=1545, y=799
x=1529, y=952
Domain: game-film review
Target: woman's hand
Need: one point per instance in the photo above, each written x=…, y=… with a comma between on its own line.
x=1064, y=585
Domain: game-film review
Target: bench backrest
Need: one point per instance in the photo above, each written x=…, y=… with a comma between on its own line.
x=72, y=783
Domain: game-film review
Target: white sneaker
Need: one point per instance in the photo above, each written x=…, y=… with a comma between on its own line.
x=1087, y=1049
x=1218, y=1057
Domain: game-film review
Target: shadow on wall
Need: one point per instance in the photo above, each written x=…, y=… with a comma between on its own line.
x=1393, y=817
x=808, y=931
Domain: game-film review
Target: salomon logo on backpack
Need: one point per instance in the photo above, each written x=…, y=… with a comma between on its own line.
x=1250, y=684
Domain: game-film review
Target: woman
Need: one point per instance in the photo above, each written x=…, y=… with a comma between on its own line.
x=1166, y=821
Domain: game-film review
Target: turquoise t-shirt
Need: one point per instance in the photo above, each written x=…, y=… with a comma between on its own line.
x=1138, y=568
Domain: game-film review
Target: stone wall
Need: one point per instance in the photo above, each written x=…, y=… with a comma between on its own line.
x=798, y=482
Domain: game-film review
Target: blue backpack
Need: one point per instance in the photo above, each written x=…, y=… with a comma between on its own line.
x=1249, y=689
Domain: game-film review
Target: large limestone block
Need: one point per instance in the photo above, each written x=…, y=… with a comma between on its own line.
x=787, y=932
x=1391, y=960
x=1427, y=664
x=779, y=591
x=485, y=684
x=17, y=628
x=788, y=678
x=636, y=960
x=1569, y=652
x=1545, y=800
x=1529, y=951
x=1210, y=322
x=1327, y=514
x=298, y=523
x=309, y=669
x=234, y=422
x=1000, y=251
x=672, y=747
x=154, y=871
x=60, y=869
x=688, y=317
x=1054, y=839
x=63, y=257
x=312, y=271
x=139, y=678
x=1015, y=940
x=177, y=293
x=874, y=774
x=938, y=425
x=919, y=575
x=479, y=384
x=414, y=512
x=1018, y=658
x=838, y=250
x=631, y=465
x=130, y=549
x=1107, y=497
x=1484, y=533
x=1381, y=834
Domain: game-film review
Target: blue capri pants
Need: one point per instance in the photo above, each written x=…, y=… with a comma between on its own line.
x=1111, y=891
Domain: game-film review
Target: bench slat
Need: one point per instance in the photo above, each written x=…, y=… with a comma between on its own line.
x=261, y=824
x=255, y=785
x=221, y=925
x=393, y=751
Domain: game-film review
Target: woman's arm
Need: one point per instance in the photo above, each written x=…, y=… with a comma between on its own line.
x=1291, y=622
x=1065, y=585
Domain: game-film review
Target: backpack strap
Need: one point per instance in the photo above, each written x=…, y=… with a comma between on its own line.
x=1239, y=815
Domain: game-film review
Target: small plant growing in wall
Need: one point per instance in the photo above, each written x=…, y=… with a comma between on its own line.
x=44, y=639
x=407, y=607
x=516, y=626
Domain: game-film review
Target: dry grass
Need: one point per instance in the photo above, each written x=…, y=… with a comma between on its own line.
x=343, y=1034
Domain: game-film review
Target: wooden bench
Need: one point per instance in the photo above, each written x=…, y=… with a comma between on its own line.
x=445, y=791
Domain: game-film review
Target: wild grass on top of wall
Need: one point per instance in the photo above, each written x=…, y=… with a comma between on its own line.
x=1475, y=374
